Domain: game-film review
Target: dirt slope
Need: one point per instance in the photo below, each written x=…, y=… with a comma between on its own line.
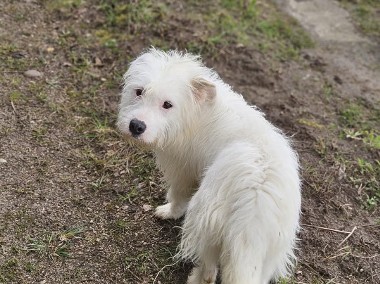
x=76, y=200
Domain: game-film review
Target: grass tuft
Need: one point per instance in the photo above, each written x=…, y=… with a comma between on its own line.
x=55, y=244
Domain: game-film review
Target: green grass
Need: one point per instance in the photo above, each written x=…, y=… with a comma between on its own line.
x=132, y=18
x=16, y=96
x=55, y=244
x=360, y=122
x=351, y=115
x=366, y=15
x=8, y=270
x=12, y=61
x=370, y=182
x=144, y=261
x=369, y=138
x=220, y=23
x=328, y=90
x=54, y=5
x=365, y=177
x=133, y=14
x=243, y=23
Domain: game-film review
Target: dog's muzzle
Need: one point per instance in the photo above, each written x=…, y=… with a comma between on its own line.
x=137, y=127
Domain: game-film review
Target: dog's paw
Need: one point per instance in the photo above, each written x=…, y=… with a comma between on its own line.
x=167, y=211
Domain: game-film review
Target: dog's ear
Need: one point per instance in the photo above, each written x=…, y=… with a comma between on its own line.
x=203, y=90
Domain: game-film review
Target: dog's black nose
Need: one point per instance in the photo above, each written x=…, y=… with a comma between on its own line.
x=137, y=127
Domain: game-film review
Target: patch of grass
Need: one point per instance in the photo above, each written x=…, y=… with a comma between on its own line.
x=221, y=23
x=80, y=61
x=366, y=178
x=106, y=38
x=92, y=159
x=131, y=15
x=310, y=123
x=370, y=138
x=8, y=270
x=119, y=226
x=61, y=4
x=102, y=126
x=98, y=184
x=132, y=18
x=328, y=90
x=365, y=14
x=12, y=60
x=360, y=122
x=286, y=34
x=16, y=96
x=35, y=87
x=351, y=115
x=145, y=261
x=234, y=18
x=238, y=22
x=30, y=267
x=131, y=195
x=55, y=244
x=321, y=148
x=39, y=133
x=139, y=262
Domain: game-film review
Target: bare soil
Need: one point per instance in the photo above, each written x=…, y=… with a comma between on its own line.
x=76, y=199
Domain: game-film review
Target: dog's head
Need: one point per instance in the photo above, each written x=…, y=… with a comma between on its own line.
x=163, y=96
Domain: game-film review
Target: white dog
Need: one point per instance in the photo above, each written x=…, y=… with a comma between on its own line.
x=232, y=172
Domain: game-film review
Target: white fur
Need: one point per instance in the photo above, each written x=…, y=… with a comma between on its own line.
x=232, y=172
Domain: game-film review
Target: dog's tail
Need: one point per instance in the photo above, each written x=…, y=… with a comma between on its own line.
x=254, y=248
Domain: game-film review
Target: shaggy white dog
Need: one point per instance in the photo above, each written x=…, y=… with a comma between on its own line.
x=232, y=172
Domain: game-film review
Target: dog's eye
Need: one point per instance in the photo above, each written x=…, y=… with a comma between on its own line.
x=139, y=92
x=167, y=105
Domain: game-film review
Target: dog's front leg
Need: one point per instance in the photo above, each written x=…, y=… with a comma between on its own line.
x=178, y=198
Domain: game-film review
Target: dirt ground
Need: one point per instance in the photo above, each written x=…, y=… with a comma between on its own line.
x=77, y=200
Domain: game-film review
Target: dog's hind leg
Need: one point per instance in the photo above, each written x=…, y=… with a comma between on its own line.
x=242, y=263
x=199, y=237
x=206, y=271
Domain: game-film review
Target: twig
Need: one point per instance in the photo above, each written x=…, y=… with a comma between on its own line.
x=327, y=229
x=338, y=255
x=349, y=235
x=365, y=257
x=158, y=273
x=13, y=106
x=370, y=225
x=134, y=275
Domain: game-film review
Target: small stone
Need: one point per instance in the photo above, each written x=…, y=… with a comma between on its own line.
x=98, y=62
x=32, y=73
x=3, y=161
x=18, y=54
x=50, y=49
x=147, y=207
x=338, y=80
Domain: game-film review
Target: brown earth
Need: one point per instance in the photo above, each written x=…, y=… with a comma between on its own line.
x=76, y=200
